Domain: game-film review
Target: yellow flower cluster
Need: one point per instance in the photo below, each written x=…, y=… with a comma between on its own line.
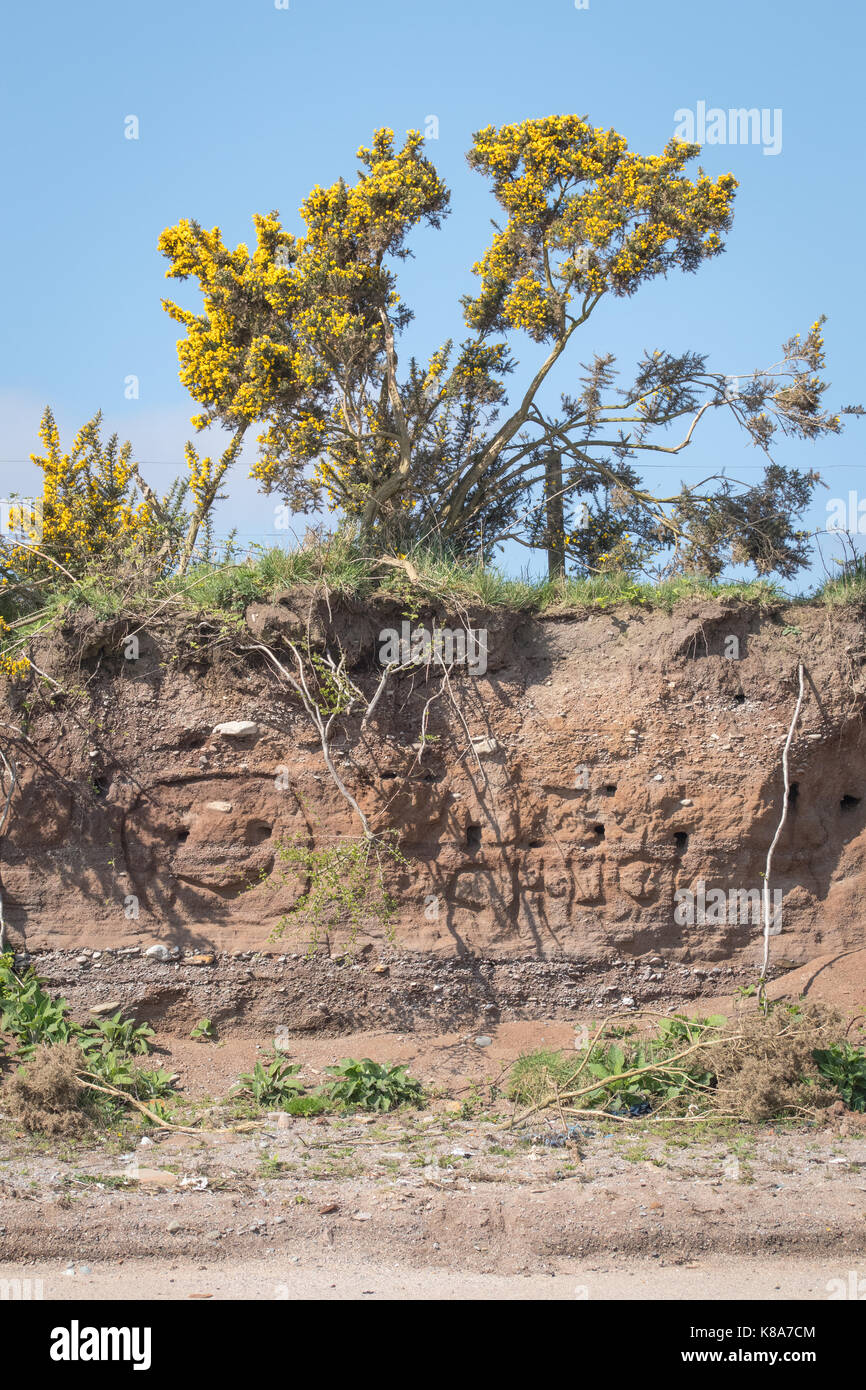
x=298, y=334
x=12, y=667
x=89, y=502
x=586, y=215
x=280, y=326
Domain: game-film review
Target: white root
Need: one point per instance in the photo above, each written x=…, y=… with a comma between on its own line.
x=766, y=895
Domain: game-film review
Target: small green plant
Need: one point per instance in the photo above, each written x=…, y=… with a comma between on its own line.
x=844, y=1067
x=368, y=1085
x=112, y=1068
x=107, y=1180
x=117, y=1069
x=204, y=1031
x=272, y=1085
x=28, y=1013
x=120, y=1033
x=270, y=1166
x=306, y=1105
x=346, y=884
x=151, y=1084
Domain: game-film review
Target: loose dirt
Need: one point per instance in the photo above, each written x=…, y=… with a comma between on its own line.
x=448, y=1202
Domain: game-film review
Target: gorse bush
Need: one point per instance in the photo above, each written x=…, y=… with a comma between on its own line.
x=94, y=509
x=296, y=337
x=434, y=457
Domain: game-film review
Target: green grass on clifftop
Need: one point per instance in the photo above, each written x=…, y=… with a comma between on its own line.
x=337, y=566
x=345, y=573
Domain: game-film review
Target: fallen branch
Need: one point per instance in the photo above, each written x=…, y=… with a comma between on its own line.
x=667, y=1066
x=91, y=1085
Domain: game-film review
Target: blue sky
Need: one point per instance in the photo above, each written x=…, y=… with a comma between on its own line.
x=243, y=107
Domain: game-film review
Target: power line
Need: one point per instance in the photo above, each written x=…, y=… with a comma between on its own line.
x=181, y=463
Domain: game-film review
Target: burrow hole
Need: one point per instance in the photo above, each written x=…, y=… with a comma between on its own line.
x=473, y=836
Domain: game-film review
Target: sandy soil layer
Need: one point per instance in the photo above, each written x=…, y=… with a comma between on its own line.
x=334, y=1279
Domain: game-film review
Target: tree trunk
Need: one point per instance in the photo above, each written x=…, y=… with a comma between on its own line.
x=555, y=516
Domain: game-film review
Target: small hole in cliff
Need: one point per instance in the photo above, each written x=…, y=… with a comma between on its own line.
x=388, y=776
x=100, y=785
x=793, y=792
x=599, y=831
x=536, y=844
x=848, y=803
x=257, y=832
x=182, y=834
x=609, y=788
x=681, y=841
x=739, y=698
x=473, y=837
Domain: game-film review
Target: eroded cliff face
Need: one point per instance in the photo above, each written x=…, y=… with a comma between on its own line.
x=604, y=762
